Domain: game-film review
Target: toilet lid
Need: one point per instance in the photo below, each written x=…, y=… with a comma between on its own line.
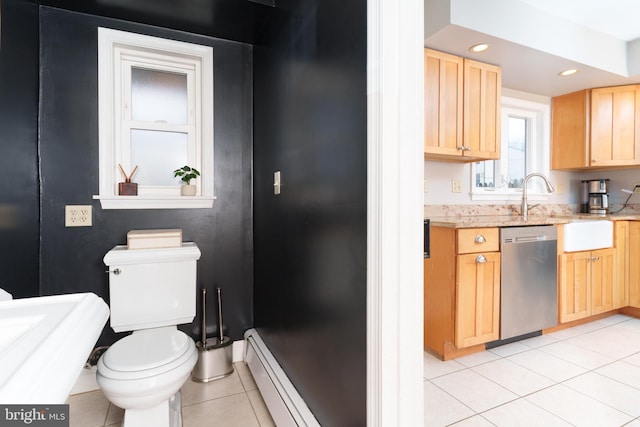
x=146, y=350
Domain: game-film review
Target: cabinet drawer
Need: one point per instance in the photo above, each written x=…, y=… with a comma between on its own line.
x=471, y=240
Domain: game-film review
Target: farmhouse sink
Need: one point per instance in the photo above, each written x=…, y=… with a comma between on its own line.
x=588, y=234
x=44, y=343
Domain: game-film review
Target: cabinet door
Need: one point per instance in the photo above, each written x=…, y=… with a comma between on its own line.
x=482, y=87
x=613, y=126
x=603, y=275
x=443, y=75
x=570, y=130
x=477, y=299
x=634, y=264
x=621, y=283
x=573, y=284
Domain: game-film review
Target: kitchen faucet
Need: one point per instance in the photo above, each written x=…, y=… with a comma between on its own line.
x=525, y=205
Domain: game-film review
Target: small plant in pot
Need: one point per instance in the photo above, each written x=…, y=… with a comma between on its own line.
x=186, y=174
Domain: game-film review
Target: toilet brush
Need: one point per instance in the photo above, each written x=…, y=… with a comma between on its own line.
x=214, y=354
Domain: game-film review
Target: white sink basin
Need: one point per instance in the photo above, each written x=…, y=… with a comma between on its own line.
x=44, y=343
x=588, y=234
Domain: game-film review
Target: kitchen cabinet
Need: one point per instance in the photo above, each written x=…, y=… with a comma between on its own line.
x=462, y=108
x=461, y=290
x=622, y=243
x=443, y=85
x=586, y=282
x=596, y=128
x=633, y=264
x=477, y=299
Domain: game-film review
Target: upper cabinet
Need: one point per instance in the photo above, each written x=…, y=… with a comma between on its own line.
x=462, y=108
x=596, y=128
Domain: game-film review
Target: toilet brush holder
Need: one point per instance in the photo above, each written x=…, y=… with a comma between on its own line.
x=215, y=360
x=215, y=356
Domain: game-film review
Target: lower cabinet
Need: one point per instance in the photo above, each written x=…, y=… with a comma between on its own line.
x=586, y=282
x=477, y=299
x=633, y=264
x=461, y=290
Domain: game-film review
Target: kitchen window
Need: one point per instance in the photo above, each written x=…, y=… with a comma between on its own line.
x=155, y=116
x=524, y=150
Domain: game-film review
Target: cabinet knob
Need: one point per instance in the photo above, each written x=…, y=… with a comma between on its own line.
x=480, y=239
x=481, y=259
x=595, y=160
x=467, y=148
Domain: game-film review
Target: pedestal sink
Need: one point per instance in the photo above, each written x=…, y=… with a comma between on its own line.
x=44, y=343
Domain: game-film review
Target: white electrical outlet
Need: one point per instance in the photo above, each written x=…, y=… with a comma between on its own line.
x=456, y=187
x=77, y=216
x=426, y=186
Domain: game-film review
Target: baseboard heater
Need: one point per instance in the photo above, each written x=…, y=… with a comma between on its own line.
x=285, y=404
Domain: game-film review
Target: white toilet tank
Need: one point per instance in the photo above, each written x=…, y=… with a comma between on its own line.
x=149, y=288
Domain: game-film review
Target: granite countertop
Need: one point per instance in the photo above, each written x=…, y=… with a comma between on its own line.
x=517, y=220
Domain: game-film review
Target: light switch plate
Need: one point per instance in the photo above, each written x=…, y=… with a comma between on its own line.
x=276, y=182
x=456, y=187
x=77, y=216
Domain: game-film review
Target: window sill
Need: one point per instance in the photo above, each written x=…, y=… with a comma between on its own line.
x=508, y=197
x=155, y=202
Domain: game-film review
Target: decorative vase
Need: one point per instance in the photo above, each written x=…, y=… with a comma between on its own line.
x=188, y=190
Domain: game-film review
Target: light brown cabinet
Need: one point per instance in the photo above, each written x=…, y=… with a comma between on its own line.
x=586, y=282
x=462, y=108
x=596, y=128
x=477, y=299
x=461, y=290
x=633, y=264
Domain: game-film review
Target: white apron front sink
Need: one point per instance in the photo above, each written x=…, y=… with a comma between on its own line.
x=588, y=234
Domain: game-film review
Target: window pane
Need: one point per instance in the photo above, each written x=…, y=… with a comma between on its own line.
x=158, y=96
x=486, y=174
x=157, y=154
x=517, y=149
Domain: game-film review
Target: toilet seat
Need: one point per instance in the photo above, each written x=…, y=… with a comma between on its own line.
x=145, y=354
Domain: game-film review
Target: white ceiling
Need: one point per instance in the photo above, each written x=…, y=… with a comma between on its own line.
x=533, y=40
x=618, y=18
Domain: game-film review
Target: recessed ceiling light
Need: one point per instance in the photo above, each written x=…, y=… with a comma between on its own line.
x=481, y=47
x=568, y=72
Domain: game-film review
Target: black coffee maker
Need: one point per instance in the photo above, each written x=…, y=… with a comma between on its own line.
x=595, y=196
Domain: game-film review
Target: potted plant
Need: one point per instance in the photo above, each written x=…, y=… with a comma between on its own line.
x=186, y=174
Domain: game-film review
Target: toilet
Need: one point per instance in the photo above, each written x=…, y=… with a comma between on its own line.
x=151, y=291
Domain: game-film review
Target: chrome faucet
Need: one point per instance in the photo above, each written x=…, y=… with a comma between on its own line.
x=525, y=206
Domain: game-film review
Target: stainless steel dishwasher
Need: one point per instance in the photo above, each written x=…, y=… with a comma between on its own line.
x=529, y=290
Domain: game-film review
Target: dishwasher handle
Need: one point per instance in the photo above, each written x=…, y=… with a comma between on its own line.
x=525, y=239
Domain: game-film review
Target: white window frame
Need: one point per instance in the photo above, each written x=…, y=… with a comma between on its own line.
x=538, y=150
x=118, y=52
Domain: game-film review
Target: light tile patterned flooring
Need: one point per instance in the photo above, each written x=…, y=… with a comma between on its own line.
x=588, y=375
x=585, y=376
x=233, y=401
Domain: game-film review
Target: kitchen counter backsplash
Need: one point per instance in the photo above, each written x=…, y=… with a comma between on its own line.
x=514, y=209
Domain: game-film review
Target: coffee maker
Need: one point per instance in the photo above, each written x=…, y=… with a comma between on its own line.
x=595, y=199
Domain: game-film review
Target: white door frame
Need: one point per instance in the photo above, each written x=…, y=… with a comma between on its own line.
x=395, y=212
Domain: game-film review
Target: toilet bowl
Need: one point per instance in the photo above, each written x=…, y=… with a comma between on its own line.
x=142, y=373
x=152, y=291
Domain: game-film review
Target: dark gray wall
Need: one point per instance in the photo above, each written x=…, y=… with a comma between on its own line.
x=19, y=230
x=310, y=123
x=71, y=258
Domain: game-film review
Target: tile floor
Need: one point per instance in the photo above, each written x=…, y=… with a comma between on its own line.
x=233, y=401
x=584, y=376
x=588, y=375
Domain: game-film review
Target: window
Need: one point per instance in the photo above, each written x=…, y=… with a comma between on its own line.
x=156, y=114
x=524, y=150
